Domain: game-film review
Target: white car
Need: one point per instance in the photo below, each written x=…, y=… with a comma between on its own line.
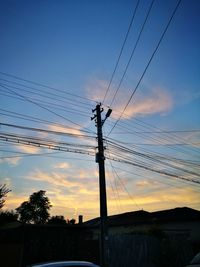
x=195, y=262
x=65, y=264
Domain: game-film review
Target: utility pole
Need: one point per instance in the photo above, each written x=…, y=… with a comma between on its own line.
x=102, y=185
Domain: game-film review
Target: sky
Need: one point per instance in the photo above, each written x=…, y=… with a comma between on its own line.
x=58, y=60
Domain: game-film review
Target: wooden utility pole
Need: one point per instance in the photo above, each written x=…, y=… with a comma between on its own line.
x=102, y=185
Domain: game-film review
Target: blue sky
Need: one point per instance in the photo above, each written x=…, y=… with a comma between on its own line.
x=73, y=46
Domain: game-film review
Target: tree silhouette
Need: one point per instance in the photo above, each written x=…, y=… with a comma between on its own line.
x=7, y=217
x=58, y=219
x=3, y=193
x=36, y=209
x=72, y=221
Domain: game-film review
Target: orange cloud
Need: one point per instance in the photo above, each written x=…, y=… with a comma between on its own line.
x=28, y=149
x=155, y=100
x=62, y=129
x=62, y=165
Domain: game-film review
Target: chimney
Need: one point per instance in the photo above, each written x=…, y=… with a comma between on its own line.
x=80, y=219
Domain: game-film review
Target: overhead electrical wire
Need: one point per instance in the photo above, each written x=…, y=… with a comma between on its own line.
x=115, y=192
x=38, y=120
x=148, y=64
x=158, y=164
x=45, y=86
x=50, y=144
x=118, y=156
x=157, y=179
x=157, y=160
x=52, y=154
x=50, y=95
x=124, y=187
x=115, y=174
x=57, y=145
x=163, y=140
x=41, y=106
x=132, y=53
x=158, y=155
x=156, y=171
x=47, y=154
x=32, y=139
x=162, y=132
x=147, y=128
x=46, y=131
x=66, y=107
x=51, y=105
x=121, y=50
x=158, y=129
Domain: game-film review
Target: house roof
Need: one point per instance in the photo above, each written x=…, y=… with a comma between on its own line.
x=144, y=217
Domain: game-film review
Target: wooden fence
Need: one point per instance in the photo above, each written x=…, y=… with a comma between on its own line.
x=148, y=251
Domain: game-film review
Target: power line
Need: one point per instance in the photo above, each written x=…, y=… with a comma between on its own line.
x=157, y=160
x=50, y=144
x=34, y=140
x=46, y=86
x=157, y=171
x=162, y=140
x=49, y=95
x=194, y=163
x=41, y=106
x=48, y=104
x=121, y=50
x=161, y=132
x=38, y=120
x=158, y=180
x=47, y=154
x=166, y=138
x=46, y=94
x=46, y=131
x=123, y=185
x=148, y=64
x=125, y=189
x=132, y=53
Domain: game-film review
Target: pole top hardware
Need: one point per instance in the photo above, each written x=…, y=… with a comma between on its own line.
x=92, y=118
x=107, y=115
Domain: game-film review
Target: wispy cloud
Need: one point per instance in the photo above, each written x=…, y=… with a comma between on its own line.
x=11, y=161
x=69, y=191
x=154, y=100
x=54, y=178
x=159, y=199
x=74, y=182
x=79, y=195
x=28, y=149
x=62, y=165
x=146, y=183
x=62, y=129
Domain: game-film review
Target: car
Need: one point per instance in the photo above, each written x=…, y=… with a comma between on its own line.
x=195, y=262
x=65, y=264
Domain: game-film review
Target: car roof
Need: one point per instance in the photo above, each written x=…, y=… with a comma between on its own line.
x=65, y=263
x=196, y=259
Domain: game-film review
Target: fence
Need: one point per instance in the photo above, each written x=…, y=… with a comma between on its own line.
x=148, y=251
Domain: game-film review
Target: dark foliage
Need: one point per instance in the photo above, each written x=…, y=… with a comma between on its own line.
x=72, y=221
x=36, y=209
x=3, y=193
x=57, y=220
x=7, y=217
